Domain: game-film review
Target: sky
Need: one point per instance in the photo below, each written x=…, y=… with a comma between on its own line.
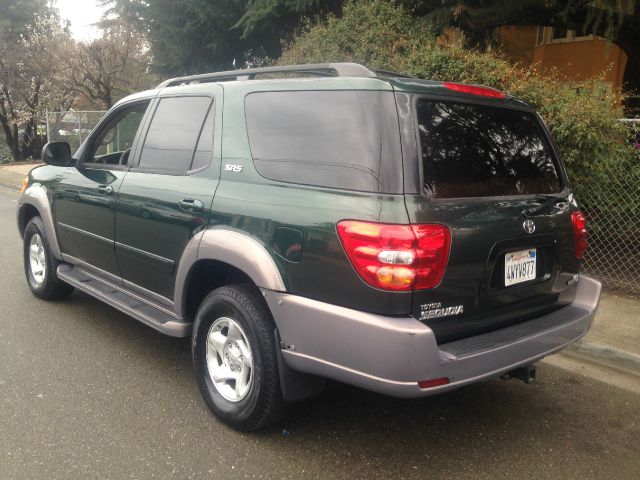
x=82, y=14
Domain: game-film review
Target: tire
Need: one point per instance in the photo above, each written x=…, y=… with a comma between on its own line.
x=40, y=268
x=229, y=320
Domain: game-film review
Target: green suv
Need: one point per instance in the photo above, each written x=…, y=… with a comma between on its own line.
x=317, y=222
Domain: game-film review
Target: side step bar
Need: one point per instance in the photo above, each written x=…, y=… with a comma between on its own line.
x=116, y=296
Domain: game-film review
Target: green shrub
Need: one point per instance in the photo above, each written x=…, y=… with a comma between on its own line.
x=5, y=153
x=385, y=35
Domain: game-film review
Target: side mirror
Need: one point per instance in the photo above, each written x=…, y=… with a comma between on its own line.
x=57, y=154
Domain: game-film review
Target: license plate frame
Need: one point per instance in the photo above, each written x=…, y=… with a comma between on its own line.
x=520, y=266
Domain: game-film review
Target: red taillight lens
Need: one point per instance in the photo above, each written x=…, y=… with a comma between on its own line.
x=396, y=257
x=436, y=382
x=579, y=233
x=474, y=90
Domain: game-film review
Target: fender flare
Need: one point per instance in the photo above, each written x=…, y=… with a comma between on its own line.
x=36, y=196
x=234, y=248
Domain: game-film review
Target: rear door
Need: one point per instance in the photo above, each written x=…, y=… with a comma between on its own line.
x=166, y=196
x=490, y=173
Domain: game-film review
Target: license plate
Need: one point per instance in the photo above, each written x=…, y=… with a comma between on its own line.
x=519, y=267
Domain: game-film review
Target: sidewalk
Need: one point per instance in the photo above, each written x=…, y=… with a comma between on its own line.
x=614, y=338
x=11, y=174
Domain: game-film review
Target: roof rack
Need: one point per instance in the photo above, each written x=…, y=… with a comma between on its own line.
x=388, y=73
x=318, y=69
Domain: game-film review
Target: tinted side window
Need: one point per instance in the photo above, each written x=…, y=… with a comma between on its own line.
x=337, y=139
x=114, y=140
x=171, y=139
x=476, y=151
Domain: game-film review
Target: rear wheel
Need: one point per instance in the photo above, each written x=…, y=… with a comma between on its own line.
x=40, y=265
x=235, y=358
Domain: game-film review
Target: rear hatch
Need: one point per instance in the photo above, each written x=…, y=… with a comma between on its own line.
x=489, y=172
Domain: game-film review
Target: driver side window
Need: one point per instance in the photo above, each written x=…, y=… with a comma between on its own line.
x=113, y=142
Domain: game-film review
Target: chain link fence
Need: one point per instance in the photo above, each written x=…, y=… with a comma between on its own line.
x=612, y=206
x=72, y=126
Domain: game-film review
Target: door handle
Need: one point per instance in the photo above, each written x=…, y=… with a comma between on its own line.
x=190, y=205
x=105, y=189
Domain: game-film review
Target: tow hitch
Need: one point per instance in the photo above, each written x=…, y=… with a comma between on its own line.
x=526, y=373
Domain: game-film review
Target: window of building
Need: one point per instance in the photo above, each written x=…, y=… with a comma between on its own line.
x=581, y=34
x=560, y=35
x=541, y=36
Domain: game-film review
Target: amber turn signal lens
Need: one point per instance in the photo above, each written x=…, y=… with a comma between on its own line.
x=25, y=183
x=395, y=276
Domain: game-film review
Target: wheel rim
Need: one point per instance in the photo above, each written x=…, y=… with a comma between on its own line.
x=229, y=359
x=37, y=259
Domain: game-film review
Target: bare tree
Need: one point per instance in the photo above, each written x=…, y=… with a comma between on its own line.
x=32, y=79
x=111, y=66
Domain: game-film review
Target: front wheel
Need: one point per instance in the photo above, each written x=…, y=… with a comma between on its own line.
x=235, y=358
x=40, y=265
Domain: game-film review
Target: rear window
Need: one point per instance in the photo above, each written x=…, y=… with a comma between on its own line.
x=337, y=139
x=480, y=151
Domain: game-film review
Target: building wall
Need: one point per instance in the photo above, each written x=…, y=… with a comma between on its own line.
x=575, y=57
x=518, y=43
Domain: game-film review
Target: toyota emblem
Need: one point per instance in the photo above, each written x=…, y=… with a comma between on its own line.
x=529, y=226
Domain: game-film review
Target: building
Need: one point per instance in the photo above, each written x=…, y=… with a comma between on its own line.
x=574, y=55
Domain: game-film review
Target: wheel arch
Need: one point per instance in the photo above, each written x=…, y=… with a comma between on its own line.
x=218, y=257
x=35, y=202
x=25, y=213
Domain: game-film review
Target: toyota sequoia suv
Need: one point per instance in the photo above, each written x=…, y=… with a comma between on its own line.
x=315, y=222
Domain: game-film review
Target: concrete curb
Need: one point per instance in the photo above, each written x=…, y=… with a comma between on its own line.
x=606, y=354
x=9, y=185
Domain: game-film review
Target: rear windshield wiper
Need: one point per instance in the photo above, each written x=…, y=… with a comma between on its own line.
x=547, y=202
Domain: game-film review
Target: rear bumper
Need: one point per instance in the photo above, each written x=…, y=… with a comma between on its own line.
x=390, y=355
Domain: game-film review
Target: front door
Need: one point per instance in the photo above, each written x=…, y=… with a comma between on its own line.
x=86, y=198
x=166, y=196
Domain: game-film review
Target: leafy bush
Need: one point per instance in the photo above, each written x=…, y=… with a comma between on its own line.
x=5, y=153
x=385, y=35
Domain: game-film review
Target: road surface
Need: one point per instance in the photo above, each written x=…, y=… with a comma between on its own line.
x=86, y=392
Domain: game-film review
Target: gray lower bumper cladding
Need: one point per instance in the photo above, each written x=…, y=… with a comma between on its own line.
x=391, y=355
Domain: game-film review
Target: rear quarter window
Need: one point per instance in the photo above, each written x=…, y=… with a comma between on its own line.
x=337, y=139
x=483, y=151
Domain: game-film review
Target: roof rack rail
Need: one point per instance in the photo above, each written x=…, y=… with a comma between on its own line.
x=389, y=73
x=319, y=69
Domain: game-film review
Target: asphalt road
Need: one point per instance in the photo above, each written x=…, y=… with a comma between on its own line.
x=86, y=392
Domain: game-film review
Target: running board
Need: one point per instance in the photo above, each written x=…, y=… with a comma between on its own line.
x=118, y=297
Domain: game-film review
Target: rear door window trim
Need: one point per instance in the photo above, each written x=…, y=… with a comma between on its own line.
x=151, y=111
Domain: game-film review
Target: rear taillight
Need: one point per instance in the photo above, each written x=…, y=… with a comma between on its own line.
x=396, y=257
x=579, y=233
x=474, y=90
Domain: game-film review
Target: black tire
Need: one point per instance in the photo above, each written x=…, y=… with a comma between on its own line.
x=50, y=287
x=263, y=404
